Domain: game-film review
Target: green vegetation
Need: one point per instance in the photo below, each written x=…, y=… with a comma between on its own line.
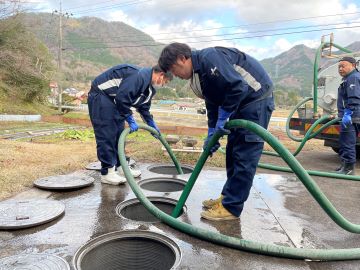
x=77, y=115
x=85, y=53
x=166, y=93
x=292, y=70
x=25, y=69
x=7, y=128
x=286, y=97
x=74, y=134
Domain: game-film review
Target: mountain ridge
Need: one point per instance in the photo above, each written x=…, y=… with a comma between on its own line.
x=92, y=45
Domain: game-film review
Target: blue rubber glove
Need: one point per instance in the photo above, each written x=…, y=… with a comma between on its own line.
x=213, y=149
x=223, y=116
x=152, y=124
x=132, y=123
x=346, y=120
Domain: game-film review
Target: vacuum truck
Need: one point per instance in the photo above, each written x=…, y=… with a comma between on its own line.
x=326, y=81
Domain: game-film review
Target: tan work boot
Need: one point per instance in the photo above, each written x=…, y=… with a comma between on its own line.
x=112, y=178
x=211, y=202
x=218, y=213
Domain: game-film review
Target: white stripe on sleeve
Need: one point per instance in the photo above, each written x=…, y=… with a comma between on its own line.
x=110, y=83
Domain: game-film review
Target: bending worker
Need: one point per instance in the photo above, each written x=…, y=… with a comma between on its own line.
x=234, y=85
x=348, y=105
x=110, y=98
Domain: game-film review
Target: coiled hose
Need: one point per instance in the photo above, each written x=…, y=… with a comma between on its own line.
x=233, y=242
x=310, y=134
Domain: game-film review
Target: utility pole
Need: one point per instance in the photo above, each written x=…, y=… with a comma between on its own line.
x=60, y=90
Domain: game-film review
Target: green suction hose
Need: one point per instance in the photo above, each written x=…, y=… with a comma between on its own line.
x=288, y=132
x=241, y=244
x=309, y=135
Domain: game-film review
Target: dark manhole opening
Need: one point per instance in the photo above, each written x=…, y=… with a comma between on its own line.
x=162, y=184
x=170, y=169
x=131, y=250
x=134, y=210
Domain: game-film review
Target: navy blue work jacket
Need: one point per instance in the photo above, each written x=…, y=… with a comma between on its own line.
x=229, y=78
x=349, y=94
x=127, y=86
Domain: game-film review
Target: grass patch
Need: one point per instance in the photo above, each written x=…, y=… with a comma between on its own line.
x=82, y=135
x=21, y=163
x=15, y=127
x=10, y=105
x=77, y=115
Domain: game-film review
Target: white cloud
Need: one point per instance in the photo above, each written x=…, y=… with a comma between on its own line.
x=121, y=16
x=187, y=16
x=189, y=32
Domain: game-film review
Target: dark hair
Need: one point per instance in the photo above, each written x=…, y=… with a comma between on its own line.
x=167, y=74
x=170, y=54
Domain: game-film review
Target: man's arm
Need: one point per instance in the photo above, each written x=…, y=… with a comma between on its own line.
x=212, y=114
x=144, y=111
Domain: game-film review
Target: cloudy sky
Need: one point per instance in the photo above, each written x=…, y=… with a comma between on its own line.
x=261, y=28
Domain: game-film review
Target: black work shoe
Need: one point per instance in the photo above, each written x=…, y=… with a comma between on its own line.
x=348, y=169
x=341, y=167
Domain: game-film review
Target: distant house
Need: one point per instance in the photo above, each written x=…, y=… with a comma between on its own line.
x=78, y=96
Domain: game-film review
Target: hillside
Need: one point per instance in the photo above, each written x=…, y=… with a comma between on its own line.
x=86, y=43
x=25, y=69
x=92, y=45
x=293, y=69
x=354, y=46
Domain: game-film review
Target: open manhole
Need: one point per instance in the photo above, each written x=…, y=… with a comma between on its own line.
x=162, y=184
x=169, y=169
x=34, y=262
x=134, y=210
x=131, y=250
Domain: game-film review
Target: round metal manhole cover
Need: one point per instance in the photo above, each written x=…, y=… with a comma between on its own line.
x=134, y=210
x=131, y=250
x=94, y=166
x=169, y=169
x=64, y=182
x=162, y=184
x=28, y=213
x=34, y=262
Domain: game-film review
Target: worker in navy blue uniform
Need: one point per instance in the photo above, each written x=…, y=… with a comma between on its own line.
x=348, y=105
x=110, y=99
x=236, y=86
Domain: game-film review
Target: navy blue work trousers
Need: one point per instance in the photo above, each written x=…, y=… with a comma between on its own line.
x=108, y=125
x=243, y=153
x=347, y=142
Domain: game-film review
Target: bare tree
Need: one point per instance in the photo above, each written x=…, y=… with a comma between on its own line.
x=9, y=8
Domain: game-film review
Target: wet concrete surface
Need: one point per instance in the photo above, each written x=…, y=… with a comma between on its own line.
x=279, y=211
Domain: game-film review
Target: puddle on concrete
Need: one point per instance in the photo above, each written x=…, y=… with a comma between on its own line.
x=268, y=217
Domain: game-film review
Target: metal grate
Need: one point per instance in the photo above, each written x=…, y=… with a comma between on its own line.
x=169, y=169
x=162, y=184
x=131, y=250
x=134, y=210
